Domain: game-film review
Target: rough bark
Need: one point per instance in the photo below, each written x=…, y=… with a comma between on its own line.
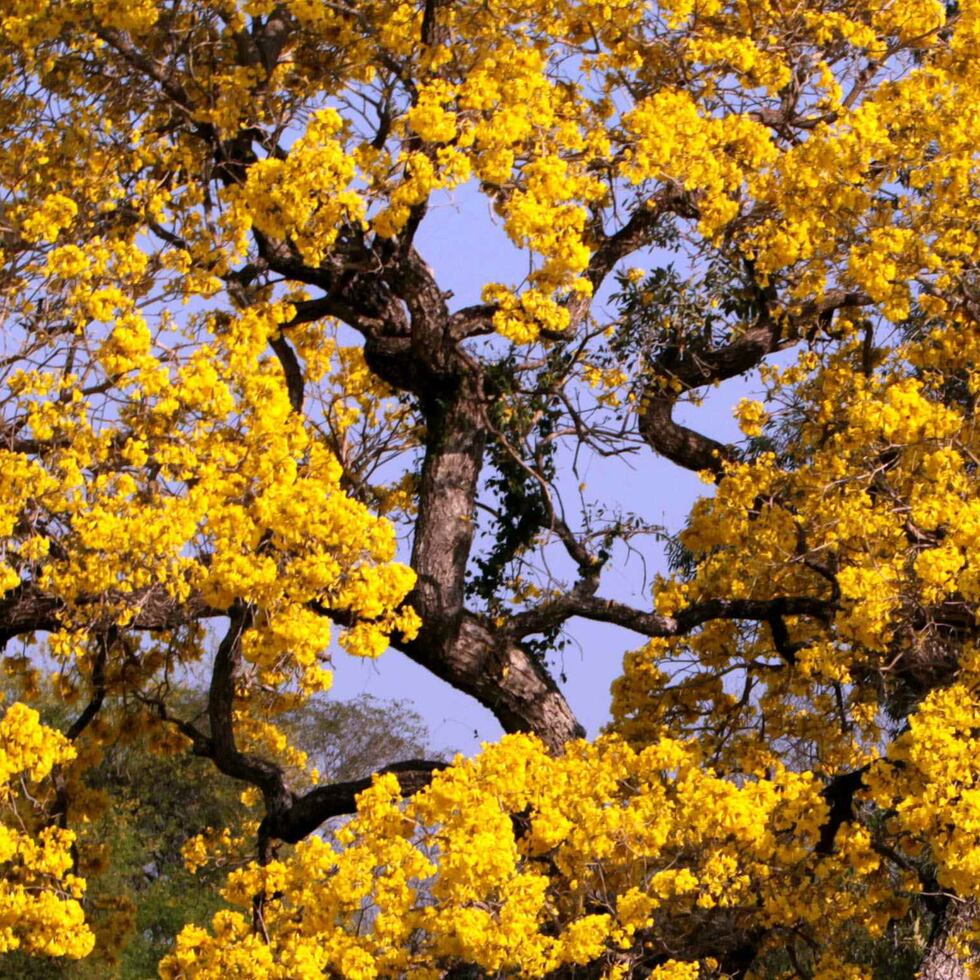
x=444, y=528
x=941, y=960
x=456, y=645
x=503, y=676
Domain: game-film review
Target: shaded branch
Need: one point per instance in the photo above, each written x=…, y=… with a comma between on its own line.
x=28, y=609
x=291, y=369
x=267, y=776
x=105, y=642
x=309, y=811
x=62, y=802
x=839, y=794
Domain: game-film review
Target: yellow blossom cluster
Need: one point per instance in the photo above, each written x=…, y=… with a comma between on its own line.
x=871, y=511
x=40, y=908
x=928, y=784
x=520, y=862
x=262, y=503
x=306, y=197
x=680, y=99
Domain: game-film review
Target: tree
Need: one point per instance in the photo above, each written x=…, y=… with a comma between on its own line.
x=230, y=375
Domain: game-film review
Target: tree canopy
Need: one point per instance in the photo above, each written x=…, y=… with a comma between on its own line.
x=246, y=429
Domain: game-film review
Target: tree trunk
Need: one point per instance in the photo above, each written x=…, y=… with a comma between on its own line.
x=941, y=961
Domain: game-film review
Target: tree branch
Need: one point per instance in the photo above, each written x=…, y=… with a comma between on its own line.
x=555, y=611
x=678, y=370
x=309, y=811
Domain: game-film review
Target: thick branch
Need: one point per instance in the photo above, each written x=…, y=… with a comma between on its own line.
x=677, y=367
x=639, y=231
x=267, y=776
x=556, y=611
x=839, y=794
x=105, y=642
x=27, y=609
x=455, y=441
x=62, y=802
x=502, y=675
x=291, y=369
x=681, y=445
x=309, y=811
x=472, y=321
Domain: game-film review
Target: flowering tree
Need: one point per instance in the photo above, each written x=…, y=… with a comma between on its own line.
x=229, y=375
